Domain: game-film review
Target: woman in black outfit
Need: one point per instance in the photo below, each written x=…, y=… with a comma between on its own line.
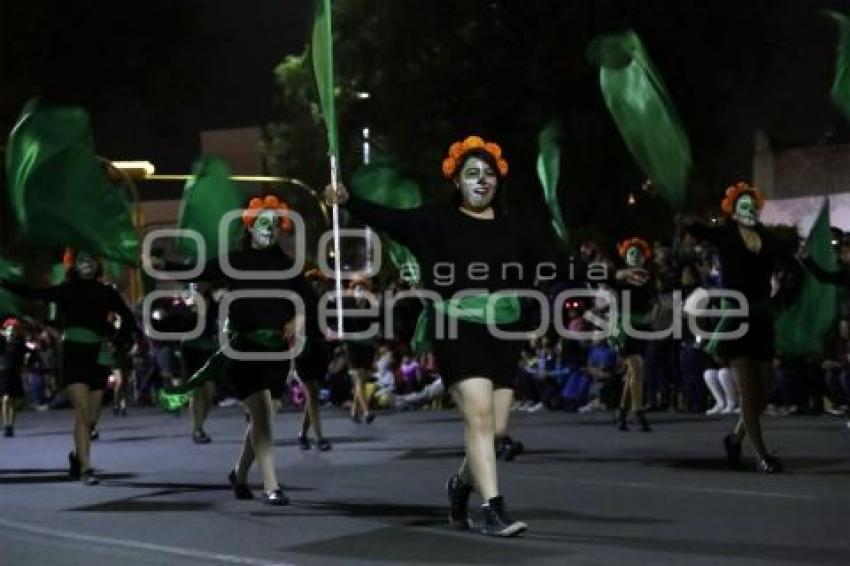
x=749, y=256
x=12, y=353
x=471, y=247
x=86, y=304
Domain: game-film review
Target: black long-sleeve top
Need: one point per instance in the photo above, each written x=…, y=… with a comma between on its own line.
x=85, y=303
x=458, y=252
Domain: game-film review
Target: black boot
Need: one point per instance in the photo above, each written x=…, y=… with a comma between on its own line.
x=9, y=431
x=240, y=490
x=323, y=444
x=494, y=520
x=304, y=442
x=621, y=419
x=508, y=448
x=459, y=492
x=732, y=446
x=74, y=468
x=769, y=465
x=644, y=424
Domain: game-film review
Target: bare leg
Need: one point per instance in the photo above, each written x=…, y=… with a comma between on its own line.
x=80, y=395
x=359, y=404
x=635, y=381
x=311, y=409
x=474, y=398
x=202, y=399
x=5, y=406
x=261, y=431
x=752, y=377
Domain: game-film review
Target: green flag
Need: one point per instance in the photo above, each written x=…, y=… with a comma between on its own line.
x=800, y=330
x=10, y=304
x=207, y=197
x=841, y=83
x=321, y=54
x=58, y=188
x=548, y=170
x=643, y=112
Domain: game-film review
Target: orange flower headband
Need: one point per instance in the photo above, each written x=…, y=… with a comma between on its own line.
x=623, y=248
x=70, y=256
x=256, y=205
x=458, y=149
x=735, y=191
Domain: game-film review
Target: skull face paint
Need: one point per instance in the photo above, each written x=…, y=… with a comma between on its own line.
x=477, y=183
x=85, y=265
x=746, y=212
x=634, y=257
x=265, y=230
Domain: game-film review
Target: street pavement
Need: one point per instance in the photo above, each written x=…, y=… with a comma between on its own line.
x=591, y=494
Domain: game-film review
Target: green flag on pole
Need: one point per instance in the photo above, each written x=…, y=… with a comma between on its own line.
x=800, y=330
x=207, y=197
x=841, y=83
x=548, y=171
x=58, y=188
x=643, y=112
x=321, y=54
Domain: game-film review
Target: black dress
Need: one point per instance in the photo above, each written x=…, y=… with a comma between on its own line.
x=11, y=364
x=458, y=252
x=748, y=273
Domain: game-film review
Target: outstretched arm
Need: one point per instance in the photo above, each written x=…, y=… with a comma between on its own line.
x=54, y=293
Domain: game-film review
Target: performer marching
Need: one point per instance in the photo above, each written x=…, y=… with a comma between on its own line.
x=86, y=304
x=749, y=255
x=12, y=352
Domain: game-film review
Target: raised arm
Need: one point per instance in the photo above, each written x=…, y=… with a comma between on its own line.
x=55, y=293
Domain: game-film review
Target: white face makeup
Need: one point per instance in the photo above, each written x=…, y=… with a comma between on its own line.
x=265, y=230
x=9, y=332
x=85, y=265
x=477, y=183
x=634, y=257
x=746, y=213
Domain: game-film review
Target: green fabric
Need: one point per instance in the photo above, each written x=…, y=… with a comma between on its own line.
x=422, y=340
x=382, y=183
x=321, y=54
x=58, y=189
x=173, y=402
x=106, y=356
x=840, y=93
x=10, y=304
x=80, y=334
x=548, y=171
x=473, y=308
x=643, y=112
x=207, y=197
x=802, y=328
x=201, y=343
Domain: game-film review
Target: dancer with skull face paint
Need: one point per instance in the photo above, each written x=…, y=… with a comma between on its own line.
x=476, y=366
x=749, y=255
x=267, y=325
x=636, y=253
x=87, y=305
x=12, y=353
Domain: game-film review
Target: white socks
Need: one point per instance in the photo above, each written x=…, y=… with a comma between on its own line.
x=730, y=390
x=712, y=381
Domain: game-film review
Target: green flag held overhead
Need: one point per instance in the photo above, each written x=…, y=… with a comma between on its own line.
x=321, y=54
x=800, y=330
x=207, y=197
x=58, y=188
x=643, y=112
x=548, y=170
x=841, y=83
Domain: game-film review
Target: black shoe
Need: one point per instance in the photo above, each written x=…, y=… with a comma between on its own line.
x=370, y=417
x=240, y=490
x=94, y=434
x=495, y=522
x=459, y=492
x=275, y=498
x=115, y=410
x=621, y=420
x=9, y=431
x=304, y=442
x=644, y=424
x=74, y=468
x=769, y=465
x=89, y=478
x=732, y=446
x=201, y=437
x=323, y=444
x=508, y=448
x=356, y=418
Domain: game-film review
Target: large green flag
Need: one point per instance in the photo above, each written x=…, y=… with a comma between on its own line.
x=383, y=184
x=841, y=83
x=548, y=171
x=207, y=197
x=321, y=54
x=643, y=112
x=59, y=190
x=800, y=330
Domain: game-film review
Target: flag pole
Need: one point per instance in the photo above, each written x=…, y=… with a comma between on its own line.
x=337, y=266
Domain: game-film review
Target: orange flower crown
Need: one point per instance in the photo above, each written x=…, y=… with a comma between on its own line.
x=458, y=149
x=361, y=280
x=623, y=248
x=70, y=256
x=256, y=205
x=735, y=191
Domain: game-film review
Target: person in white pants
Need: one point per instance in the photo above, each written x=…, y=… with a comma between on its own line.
x=721, y=384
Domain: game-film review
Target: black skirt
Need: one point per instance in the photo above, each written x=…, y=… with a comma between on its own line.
x=757, y=343
x=312, y=363
x=477, y=353
x=11, y=384
x=360, y=355
x=79, y=365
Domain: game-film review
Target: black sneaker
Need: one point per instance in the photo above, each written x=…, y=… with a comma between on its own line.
x=644, y=424
x=9, y=431
x=459, y=492
x=495, y=522
x=732, y=446
x=275, y=498
x=769, y=465
x=323, y=444
x=74, y=468
x=370, y=417
x=240, y=490
x=89, y=478
x=201, y=437
x=304, y=442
